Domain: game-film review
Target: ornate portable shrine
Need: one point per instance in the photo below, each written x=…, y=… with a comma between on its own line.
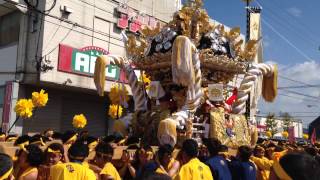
x=191, y=63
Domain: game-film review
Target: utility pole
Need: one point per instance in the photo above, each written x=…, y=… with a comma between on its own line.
x=249, y=10
x=247, y=113
x=248, y=19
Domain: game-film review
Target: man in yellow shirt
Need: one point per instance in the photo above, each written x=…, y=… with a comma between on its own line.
x=75, y=168
x=167, y=164
x=102, y=159
x=192, y=168
x=263, y=164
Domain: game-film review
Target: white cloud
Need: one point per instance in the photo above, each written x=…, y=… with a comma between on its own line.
x=307, y=72
x=294, y=11
x=266, y=41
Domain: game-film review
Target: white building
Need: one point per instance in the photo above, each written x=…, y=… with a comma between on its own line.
x=56, y=50
x=296, y=124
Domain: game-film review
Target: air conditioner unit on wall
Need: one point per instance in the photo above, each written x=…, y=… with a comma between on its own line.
x=66, y=9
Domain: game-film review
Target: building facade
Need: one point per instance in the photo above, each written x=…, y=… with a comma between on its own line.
x=296, y=125
x=53, y=45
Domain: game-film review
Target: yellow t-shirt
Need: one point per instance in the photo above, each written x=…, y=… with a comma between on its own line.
x=264, y=166
x=66, y=171
x=86, y=164
x=194, y=169
x=110, y=170
x=27, y=171
x=162, y=171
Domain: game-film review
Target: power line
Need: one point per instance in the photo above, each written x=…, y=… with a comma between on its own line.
x=293, y=112
x=60, y=41
x=299, y=87
x=286, y=40
x=280, y=118
x=34, y=7
x=302, y=25
x=51, y=38
x=301, y=94
x=76, y=25
x=290, y=26
x=299, y=97
x=69, y=22
x=312, y=36
x=38, y=42
x=93, y=5
x=71, y=30
x=285, y=25
x=293, y=80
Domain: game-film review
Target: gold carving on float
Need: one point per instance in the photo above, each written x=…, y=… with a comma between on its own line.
x=233, y=135
x=146, y=31
x=249, y=50
x=193, y=22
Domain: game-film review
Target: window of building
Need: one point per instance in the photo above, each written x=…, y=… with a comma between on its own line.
x=9, y=28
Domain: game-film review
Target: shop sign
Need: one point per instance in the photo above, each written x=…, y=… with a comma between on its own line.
x=262, y=127
x=133, y=20
x=82, y=61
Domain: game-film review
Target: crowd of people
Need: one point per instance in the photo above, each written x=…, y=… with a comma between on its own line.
x=72, y=155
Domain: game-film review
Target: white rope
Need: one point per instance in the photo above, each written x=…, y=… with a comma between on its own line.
x=248, y=83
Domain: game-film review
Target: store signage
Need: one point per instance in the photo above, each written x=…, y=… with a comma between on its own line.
x=262, y=127
x=82, y=61
x=133, y=20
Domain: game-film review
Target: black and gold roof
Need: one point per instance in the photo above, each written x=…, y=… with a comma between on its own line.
x=223, y=54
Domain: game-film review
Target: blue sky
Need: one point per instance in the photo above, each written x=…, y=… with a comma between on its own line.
x=295, y=50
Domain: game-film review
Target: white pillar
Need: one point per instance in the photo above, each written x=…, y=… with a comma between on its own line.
x=17, y=129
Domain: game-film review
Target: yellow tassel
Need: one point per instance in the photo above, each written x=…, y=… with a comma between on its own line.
x=100, y=74
x=270, y=86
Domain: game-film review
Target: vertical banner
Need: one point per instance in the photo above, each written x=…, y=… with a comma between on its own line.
x=291, y=137
x=7, y=106
x=313, y=138
x=255, y=34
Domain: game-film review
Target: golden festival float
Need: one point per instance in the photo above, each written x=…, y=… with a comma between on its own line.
x=203, y=80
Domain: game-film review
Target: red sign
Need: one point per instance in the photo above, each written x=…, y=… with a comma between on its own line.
x=263, y=127
x=82, y=61
x=7, y=106
x=123, y=21
x=130, y=18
